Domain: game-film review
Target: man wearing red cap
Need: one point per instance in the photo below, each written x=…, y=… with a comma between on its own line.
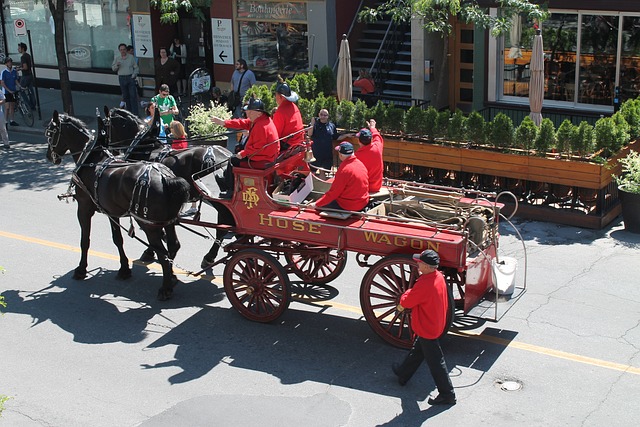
x=429, y=302
x=350, y=187
x=261, y=147
x=370, y=153
x=287, y=117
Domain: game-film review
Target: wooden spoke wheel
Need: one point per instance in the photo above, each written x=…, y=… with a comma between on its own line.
x=380, y=292
x=257, y=285
x=321, y=267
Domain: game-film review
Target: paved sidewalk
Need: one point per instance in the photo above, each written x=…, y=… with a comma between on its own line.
x=84, y=106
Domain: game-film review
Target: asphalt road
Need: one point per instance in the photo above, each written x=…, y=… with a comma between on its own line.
x=104, y=352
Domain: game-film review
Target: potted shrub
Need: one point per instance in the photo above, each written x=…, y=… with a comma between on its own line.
x=629, y=191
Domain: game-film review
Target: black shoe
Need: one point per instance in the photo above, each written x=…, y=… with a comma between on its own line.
x=225, y=195
x=443, y=400
x=396, y=370
x=13, y=123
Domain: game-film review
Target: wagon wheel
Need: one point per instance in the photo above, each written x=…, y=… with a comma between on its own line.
x=257, y=285
x=323, y=266
x=380, y=292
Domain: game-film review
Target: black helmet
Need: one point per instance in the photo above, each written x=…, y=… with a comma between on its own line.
x=283, y=89
x=255, y=104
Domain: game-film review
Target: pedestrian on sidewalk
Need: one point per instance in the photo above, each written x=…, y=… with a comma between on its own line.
x=26, y=81
x=167, y=71
x=429, y=302
x=127, y=68
x=9, y=81
x=167, y=106
x=3, y=124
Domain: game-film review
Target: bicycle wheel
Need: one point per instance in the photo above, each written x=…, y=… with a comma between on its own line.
x=25, y=111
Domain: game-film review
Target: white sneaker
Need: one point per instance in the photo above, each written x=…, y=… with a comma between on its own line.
x=123, y=104
x=189, y=212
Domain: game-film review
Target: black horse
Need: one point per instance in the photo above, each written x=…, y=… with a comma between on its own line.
x=148, y=192
x=128, y=134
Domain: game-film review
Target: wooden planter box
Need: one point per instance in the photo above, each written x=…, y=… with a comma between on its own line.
x=579, y=177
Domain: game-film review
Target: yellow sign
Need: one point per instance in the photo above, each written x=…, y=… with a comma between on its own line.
x=250, y=197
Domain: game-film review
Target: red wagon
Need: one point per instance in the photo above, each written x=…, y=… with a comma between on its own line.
x=278, y=235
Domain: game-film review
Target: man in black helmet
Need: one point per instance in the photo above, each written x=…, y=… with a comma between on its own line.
x=262, y=144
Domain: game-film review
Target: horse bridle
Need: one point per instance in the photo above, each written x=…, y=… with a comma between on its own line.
x=53, y=138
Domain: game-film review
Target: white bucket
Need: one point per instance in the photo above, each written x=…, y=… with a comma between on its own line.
x=504, y=274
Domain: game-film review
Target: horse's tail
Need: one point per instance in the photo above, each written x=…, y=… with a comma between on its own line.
x=178, y=190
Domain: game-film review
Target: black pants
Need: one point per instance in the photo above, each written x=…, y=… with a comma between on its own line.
x=430, y=352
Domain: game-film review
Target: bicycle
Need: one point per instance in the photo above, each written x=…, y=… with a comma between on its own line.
x=23, y=107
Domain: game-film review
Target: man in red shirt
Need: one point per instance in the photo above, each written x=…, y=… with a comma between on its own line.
x=261, y=147
x=428, y=299
x=370, y=153
x=350, y=187
x=287, y=117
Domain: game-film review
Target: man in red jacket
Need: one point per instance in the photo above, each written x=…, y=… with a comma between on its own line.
x=287, y=117
x=261, y=147
x=370, y=153
x=350, y=187
x=428, y=301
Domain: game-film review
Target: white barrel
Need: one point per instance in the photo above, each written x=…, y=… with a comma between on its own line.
x=504, y=274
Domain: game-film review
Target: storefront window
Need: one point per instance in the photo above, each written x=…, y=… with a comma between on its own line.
x=273, y=37
x=581, y=55
x=93, y=30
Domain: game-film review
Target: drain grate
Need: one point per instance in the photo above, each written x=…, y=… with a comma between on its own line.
x=509, y=384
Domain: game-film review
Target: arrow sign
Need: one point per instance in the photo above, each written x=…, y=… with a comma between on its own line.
x=222, y=33
x=144, y=50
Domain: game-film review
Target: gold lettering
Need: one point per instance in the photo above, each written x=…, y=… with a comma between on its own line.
x=297, y=225
x=369, y=236
x=399, y=241
x=282, y=223
x=265, y=220
x=314, y=228
x=384, y=239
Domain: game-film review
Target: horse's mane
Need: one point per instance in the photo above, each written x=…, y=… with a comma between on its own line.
x=64, y=117
x=126, y=114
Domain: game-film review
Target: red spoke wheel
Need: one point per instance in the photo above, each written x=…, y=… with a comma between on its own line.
x=380, y=292
x=257, y=285
x=318, y=268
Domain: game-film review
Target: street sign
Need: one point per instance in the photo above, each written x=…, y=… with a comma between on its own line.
x=19, y=27
x=142, y=41
x=222, y=33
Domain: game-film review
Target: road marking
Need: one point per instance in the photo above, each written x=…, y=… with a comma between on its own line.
x=476, y=336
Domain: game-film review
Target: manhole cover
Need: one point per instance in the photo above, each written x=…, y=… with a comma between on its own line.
x=510, y=386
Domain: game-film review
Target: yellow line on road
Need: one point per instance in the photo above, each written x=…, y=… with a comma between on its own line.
x=476, y=336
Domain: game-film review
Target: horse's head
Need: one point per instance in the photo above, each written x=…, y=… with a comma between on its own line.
x=122, y=126
x=65, y=133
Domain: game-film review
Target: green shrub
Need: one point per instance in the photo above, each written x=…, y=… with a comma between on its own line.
x=622, y=127
x=346, y=109
x=394, y=118
x=502, y=131
x=630, y=110
x=584, y=140
x=379, y=113
x=564, y=136
x=360, y=114
x=442, y=123
x=430, y=121
x=331, y=104
x=326, y=80
x=609, y=138
x=306, y=108
x=319, y=103
x=414, y=121
x=265, y=93
x=546, y=137
x=526, y=134
x=305, y=84
x=199, y=120
x=475, y=128
x=455, y=130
